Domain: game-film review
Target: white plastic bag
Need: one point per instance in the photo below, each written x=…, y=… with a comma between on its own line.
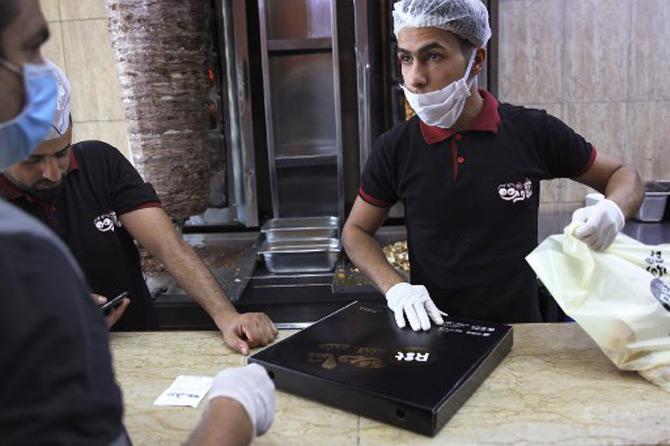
x=620, y=297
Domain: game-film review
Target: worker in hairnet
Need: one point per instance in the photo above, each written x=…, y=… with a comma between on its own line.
x=91, y=196
x=468, y=169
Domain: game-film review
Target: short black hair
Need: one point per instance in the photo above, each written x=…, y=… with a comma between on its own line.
x=9, y=9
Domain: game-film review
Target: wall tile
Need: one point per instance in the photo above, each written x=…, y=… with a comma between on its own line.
x=597, y=36
x=91, y=66
x=50, y=10
x=649, y=70
x=530, y=51
x=603, y=125
x=553, y=109
x=649, y=139
x=550, y=191
x=82, y=9
x=53, y=48
x=114, y=133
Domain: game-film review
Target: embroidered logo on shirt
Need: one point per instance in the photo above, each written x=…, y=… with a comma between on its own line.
x=516, y=191
x=107, y=222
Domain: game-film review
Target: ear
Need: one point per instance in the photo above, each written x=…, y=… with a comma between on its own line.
x=480, y=60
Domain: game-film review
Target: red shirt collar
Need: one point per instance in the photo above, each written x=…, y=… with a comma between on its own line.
x=486, y=121
x=74, y=164
x=11, y=192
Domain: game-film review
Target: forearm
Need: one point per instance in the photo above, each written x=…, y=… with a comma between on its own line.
x=154, y=230
x=193, y=276
x=367, y=255
x=626, y=190
x=224, y=422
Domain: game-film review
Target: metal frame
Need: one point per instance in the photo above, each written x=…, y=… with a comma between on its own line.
x=241, y=170
x=338, y=112
x=269, y=45
x=368, y=89
x=267, y=101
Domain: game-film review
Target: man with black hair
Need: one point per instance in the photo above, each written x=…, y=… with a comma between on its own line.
x=96, y=201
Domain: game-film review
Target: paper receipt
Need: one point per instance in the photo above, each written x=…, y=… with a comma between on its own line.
x=185, y=391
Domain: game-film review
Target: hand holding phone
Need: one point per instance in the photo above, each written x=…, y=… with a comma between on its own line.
x=113, y=303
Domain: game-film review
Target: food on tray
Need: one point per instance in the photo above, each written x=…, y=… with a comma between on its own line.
x=397, y=255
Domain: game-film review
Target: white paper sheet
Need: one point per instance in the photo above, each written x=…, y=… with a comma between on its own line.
x=185, y=391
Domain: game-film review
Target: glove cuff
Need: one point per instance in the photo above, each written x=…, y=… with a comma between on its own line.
x=621, y=218
x=396, y=290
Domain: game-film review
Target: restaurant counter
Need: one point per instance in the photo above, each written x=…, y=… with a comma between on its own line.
x=555, y=387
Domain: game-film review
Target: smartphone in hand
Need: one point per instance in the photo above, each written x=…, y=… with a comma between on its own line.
x=113, y=303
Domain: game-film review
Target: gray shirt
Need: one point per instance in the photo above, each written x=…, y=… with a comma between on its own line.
x=55, y=365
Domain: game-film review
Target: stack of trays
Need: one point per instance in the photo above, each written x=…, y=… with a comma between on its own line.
x=301, y=245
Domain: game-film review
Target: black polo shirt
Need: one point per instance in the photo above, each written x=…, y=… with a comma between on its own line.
x=56, y=379
x=471, y=203
x=101, y=185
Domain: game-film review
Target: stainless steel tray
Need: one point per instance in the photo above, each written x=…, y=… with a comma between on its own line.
x=291, y=256
x=655, y=200
x=300, y=228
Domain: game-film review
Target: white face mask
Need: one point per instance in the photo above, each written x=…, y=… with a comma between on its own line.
x=442, y=108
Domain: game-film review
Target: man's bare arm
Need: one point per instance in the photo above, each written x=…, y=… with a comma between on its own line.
x=617, y=181
x=363, y=249
x=154, y=230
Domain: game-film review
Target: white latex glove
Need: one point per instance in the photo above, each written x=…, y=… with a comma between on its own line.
x=413, y=302
x=601, y=224
x=253, y=389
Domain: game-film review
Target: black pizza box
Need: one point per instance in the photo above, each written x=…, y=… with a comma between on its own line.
x=358, y=360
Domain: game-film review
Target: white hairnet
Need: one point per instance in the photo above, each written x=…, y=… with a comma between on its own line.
x=61, y=120
x=468, y=19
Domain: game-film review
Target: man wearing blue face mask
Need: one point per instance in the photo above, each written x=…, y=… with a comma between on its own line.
x=21, y=131
x=468, y=171
x=55, y=365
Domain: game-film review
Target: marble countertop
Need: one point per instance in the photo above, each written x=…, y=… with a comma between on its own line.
x=555, y=387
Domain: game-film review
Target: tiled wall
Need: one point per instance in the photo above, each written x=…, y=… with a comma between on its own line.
x=81, y=45
x=603, y=67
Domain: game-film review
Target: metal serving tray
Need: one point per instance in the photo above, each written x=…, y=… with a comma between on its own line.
x=301, y=256
x=655, y=200
x=300, y=228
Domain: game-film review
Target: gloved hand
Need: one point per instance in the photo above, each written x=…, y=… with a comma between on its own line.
x=253, y=389
x=413, y=302
x=601, y=224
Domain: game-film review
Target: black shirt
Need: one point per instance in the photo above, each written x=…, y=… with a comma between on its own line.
x=55, y=365
x=471, y=203
x=101, y=185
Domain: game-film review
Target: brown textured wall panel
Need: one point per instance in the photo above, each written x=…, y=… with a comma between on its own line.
x=649, y=139
x=597, y=41
x=162, y=52
x=531, y=51
x=649, y=70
